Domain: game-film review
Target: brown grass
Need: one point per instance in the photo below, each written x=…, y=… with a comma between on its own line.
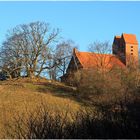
x=18, y=96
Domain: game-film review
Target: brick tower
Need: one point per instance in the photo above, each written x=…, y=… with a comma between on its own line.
x=125, y=47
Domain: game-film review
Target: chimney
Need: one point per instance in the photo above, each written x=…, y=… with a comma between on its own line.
x=75, y=50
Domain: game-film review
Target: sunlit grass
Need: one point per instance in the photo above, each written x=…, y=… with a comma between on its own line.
x=16, y=97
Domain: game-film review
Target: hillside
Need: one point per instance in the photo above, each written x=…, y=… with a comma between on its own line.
x=47, y=109
x=17, y=96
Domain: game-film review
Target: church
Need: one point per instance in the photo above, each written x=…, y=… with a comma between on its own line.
x=124, y=51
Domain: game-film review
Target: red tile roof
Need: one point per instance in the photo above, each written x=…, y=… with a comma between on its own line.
x=130, y=38
x=90, y=60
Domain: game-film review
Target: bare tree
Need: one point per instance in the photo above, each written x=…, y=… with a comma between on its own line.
x=11, y=57
x=34, y=43
x=62, y=56
x=102, y=53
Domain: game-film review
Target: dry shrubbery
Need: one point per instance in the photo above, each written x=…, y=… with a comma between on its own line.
x=114, y=111
x=40, y=123
x=116, y=85
x=115, y=95
x=86, y=123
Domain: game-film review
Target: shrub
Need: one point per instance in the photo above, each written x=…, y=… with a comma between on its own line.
x=86, y=123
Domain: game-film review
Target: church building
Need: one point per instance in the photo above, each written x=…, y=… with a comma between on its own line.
x=124, y=52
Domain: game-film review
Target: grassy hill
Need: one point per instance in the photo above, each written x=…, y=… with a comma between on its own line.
x=47, y=109
x=18, y=96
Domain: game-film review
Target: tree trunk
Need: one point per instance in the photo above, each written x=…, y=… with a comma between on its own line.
x=32, y=75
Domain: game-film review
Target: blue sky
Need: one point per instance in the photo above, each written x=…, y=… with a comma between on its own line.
x=83, y=22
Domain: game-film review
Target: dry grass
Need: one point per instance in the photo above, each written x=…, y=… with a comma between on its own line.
x=18, y=96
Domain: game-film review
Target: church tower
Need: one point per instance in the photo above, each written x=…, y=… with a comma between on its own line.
x=125, y=47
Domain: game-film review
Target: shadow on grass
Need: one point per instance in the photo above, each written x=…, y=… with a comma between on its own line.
x=41, y=124
x=61, y=90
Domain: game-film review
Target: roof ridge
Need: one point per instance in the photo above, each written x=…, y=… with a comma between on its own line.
x=96, y=53
x=130, y=38
x=128, y=34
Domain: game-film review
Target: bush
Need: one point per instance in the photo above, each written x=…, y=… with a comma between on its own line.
x=114, y=111
x=86, y=123
x=114, y=86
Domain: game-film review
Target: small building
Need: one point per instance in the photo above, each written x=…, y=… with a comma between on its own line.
x=124, y=49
